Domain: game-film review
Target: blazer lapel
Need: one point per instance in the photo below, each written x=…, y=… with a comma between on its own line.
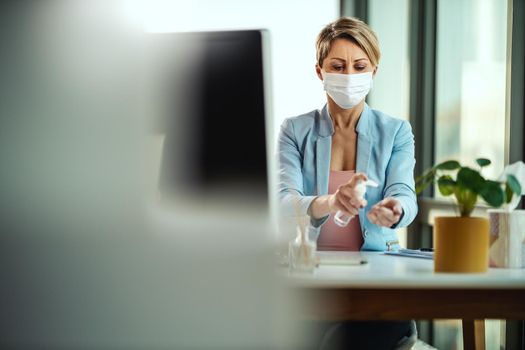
x=323, y=150
x=364, y=148
x=323, y=155
x=364, y=144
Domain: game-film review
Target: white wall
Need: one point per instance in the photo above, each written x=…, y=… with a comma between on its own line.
x=293, y=27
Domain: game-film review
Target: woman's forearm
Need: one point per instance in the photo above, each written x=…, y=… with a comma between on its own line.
x=319, y=207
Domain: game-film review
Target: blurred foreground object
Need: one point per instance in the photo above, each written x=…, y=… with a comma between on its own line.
x=87, y=258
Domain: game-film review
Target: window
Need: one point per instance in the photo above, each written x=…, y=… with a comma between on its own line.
x=470, y=82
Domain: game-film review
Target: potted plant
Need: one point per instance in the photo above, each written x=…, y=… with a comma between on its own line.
x=461, y=243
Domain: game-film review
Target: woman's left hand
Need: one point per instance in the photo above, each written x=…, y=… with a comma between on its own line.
x=386, y=213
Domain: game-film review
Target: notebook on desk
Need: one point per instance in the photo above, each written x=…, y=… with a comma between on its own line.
x=339, y=258
x=412, y=253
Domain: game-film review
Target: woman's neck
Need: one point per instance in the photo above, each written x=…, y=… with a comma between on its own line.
x=345, y=119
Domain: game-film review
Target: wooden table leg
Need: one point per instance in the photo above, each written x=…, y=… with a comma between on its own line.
x=474, y=334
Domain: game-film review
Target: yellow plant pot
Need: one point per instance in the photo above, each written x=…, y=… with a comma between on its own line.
x=461, y=244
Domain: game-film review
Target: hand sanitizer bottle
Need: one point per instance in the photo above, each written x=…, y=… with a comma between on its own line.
x=342, y=219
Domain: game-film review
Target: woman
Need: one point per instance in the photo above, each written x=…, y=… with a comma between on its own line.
x=325, y=153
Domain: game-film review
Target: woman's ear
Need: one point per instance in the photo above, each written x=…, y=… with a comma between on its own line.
x=375, y=71
x=318, y=71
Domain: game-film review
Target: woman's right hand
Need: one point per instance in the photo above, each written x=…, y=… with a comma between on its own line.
x=347, y=198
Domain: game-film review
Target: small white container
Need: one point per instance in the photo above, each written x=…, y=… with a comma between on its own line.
x=507, y=238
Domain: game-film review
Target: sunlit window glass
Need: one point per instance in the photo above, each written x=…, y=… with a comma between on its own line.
x=470, y=81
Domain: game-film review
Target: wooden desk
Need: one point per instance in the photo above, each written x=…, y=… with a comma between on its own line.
x=393, y=288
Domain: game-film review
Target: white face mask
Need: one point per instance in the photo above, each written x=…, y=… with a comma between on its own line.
x=347, y=90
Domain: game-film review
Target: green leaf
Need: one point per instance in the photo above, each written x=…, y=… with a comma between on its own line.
x=446, y=185
x=483, y=162
x=424, y=180
x=514, y=184
x=470, y=201
x=466, y=200
x=420, y=187
x=492, y=193
x=471, y=179
x=420, y=178
x=508, y=193
x=448, y=165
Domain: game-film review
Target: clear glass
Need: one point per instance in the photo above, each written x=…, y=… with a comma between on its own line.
x=302, y=251
x=470, y=82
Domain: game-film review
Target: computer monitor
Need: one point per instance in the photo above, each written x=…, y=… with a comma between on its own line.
x=215, y=114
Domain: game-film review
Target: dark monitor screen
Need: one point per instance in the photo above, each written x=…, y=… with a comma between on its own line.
x=215, y=123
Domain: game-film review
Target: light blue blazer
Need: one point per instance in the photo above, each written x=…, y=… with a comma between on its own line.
x=385, y=153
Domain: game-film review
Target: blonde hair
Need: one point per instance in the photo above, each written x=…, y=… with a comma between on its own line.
x=352, y=29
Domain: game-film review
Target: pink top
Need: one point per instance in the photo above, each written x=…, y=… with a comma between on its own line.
x=332, y=236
